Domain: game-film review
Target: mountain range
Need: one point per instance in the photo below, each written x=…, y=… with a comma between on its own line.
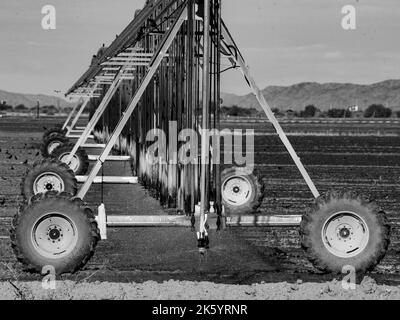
x=30, y=100
x=296, y=97
x=323, y=96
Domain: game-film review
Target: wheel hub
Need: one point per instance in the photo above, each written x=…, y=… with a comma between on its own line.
x=48, y=181
x=49, y=186
x=52, y=146
x=54, y=235
x=73, y=164
x=236, y=190
x=345, y=234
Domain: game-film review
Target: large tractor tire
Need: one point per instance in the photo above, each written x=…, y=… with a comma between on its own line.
x=52, y=142
x=53, y=131
x=48, y=175
x=54, y=230
x=242, y=191
x=344, y=229
x=80, y=161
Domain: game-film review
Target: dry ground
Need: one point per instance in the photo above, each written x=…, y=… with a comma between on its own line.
x=188, y=290
x=139, y=261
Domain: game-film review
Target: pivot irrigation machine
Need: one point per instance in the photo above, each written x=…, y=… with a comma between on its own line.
x=165, y=68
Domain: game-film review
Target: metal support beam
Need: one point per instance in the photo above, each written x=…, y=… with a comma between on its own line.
x=109, y=180
x=184, y=221
x=97, y=115
x=78, y=115
x=72, y=136
x=238, y=61
x=202, y=232
x=110, y=158
x=158, y=56
x=93, y=145
x=70, y=116
x=77, y=131
x=148, y=221
x=88, y=93
x=263, y=221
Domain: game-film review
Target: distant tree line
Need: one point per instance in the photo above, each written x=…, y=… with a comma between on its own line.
x=21, y=108
x=373, y=111
x=311, y=111
x=236, y=111
x=5, y=107
x=378, y=111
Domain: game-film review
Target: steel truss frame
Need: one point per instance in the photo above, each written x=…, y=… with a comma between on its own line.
x=84, y=95
x=124, y=63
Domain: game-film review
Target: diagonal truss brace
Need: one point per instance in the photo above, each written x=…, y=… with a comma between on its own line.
x=70, y=115
x=237, y=60
x=80, y=111
x=77, y=116
x=97, y=115
x=153, y=66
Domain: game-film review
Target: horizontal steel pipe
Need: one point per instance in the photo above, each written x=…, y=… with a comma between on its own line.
x=258, y=221
x=148, y=221
x=109, y=180
x=110, y=158
x=184, y=221
x=93, y=145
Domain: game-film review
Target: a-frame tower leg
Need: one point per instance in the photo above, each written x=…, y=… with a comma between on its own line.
x=237, y=60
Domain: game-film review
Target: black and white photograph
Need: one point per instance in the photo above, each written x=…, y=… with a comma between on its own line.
x=199, y=155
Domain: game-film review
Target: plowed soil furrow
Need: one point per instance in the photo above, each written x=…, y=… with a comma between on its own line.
x=367, y=164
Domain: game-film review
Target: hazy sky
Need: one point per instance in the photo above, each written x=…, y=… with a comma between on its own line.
x=283, y=41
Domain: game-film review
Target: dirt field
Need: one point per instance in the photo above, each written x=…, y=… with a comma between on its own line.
x=177, y=290
x=246, y=256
